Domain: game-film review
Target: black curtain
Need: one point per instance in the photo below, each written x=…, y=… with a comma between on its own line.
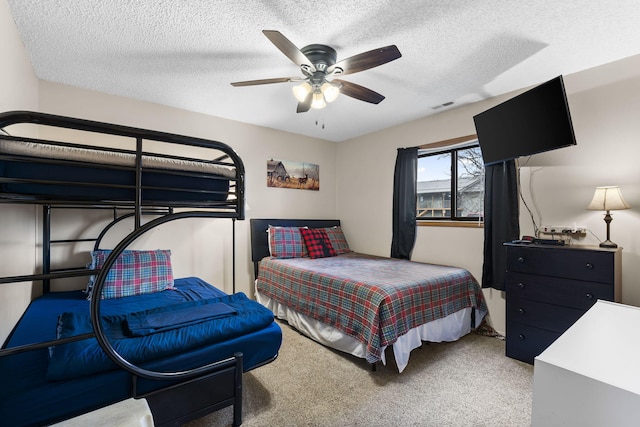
x=501, y=214
x=404, y=203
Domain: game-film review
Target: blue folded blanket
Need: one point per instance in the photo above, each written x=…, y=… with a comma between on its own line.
x=175, y=316
x=153, y=337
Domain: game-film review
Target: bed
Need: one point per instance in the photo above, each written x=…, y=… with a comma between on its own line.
x=39, y=388
x=50, y=171
x=358, y=303
x=135, y=331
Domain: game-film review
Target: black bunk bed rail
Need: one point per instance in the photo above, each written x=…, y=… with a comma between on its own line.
x=30, y=177
x=231, y=201
x=95, y=304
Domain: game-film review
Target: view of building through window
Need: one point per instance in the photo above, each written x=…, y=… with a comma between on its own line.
x=455, y=171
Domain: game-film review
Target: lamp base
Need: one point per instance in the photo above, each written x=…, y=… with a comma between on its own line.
x=608, y=244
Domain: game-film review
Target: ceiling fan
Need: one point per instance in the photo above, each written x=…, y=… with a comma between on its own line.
x=319, y=67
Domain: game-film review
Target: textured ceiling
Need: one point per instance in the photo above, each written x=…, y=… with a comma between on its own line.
x=185, y=53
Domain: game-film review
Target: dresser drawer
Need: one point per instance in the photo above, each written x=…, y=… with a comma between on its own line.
x=525, y=342
x=550, y=317
x=568, y=292
x=569, y=263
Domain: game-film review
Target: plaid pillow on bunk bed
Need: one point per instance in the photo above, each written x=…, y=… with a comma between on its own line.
x=133, y=273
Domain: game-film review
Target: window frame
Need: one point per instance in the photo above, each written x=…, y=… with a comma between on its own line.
x=450, y=146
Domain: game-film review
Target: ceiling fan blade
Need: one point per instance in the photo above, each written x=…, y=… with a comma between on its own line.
x=289, y=49
x=366, y=60
x=266, y=81
x=304, y=106
x=359, y=92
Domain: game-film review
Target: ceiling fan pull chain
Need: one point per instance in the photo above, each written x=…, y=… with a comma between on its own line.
x=318, y=118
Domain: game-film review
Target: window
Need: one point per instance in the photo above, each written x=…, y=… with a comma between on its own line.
x=445, y=171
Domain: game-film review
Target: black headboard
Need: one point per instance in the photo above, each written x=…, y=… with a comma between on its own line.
x=260, y=240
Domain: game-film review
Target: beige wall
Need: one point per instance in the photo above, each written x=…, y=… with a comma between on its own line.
x=370, y=186
x=18, y=83
x=18, y=89
x=604, y=103
x=255, y=145
x=206, y=250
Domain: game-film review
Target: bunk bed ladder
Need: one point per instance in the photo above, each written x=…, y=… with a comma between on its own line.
x=49, y=273
x=138, y=201
x=233, y=255
x=46, y=247
x=47, y=242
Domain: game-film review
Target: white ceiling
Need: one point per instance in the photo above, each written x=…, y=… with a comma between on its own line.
x=185, y=53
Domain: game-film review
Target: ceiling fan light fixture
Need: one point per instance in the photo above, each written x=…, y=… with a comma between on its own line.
x=301, y=91
x=317, y=101
x=330, y=91
x=318, y=63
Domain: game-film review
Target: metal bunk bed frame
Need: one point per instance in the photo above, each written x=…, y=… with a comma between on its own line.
x=181, y=401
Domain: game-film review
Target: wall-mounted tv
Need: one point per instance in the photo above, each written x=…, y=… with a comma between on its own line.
x=535, y=121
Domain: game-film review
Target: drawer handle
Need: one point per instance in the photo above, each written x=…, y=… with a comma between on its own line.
x=589, y=266
x=521, y=310
x=521, y=336
x=520, y=285
x=521, y=259
x=589, y=295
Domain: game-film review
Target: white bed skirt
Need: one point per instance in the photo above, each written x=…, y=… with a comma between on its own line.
x=450, y=328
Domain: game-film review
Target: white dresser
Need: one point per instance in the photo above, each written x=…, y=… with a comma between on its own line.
x=590, y=376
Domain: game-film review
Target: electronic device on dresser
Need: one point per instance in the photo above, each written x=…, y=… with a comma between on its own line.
x=548, y=288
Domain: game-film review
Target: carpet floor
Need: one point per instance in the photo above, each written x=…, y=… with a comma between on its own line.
x=469, y=382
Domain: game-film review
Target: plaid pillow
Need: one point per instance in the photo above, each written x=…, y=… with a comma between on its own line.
x=317, y=242
x=134, y=273
x=286, y=242
x=337, y=239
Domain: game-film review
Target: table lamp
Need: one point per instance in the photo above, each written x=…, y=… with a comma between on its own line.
x=608, y=199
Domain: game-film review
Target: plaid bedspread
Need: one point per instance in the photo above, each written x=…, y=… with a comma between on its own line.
x=373, y=299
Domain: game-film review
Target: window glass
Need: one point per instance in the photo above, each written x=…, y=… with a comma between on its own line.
x=434, y=186
x=470, y=185
x=441, y=174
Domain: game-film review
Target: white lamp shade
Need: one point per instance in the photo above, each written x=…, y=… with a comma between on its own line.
x=330, y=91
x=301, y=91
x=608, y=199
x=318, y=102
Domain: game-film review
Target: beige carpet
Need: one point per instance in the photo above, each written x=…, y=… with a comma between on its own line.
x=466, y=383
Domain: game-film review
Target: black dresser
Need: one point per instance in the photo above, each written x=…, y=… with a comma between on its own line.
x=549, y=287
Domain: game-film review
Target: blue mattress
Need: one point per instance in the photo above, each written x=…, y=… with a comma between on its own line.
x=28, y=398
x=88, y=182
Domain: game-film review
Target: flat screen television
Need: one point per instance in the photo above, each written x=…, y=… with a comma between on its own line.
x=534, y=121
